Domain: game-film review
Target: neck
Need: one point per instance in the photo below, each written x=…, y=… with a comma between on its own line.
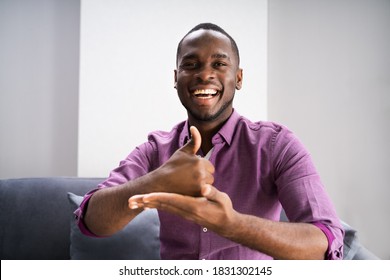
x=207, y=134
x=207, y=130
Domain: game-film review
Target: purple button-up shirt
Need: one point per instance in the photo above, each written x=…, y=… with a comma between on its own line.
x=262, y=166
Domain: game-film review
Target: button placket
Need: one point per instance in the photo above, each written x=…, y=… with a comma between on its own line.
x=204, y=245
x=205, y=236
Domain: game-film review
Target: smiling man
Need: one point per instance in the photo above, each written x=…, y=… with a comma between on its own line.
x=219, y=180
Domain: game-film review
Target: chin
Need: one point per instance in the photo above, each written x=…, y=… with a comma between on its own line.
x=209, y=117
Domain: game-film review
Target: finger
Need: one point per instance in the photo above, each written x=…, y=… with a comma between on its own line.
x=172, y=202
x=209, y=166
x=208, y=178
x=193, y=145
x=212, y=193
x=205, y=190
x=136, y=201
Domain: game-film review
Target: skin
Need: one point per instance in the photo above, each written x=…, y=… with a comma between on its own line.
x=206, y=62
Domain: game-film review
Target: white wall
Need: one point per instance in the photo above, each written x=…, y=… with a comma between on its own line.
x=39, y=49
x=128, y=53
x=329, y=81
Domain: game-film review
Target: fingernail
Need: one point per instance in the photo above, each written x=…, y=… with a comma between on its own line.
x=206, y=191
x=133, y=205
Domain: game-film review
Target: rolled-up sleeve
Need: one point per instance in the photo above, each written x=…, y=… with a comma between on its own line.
x=79, y=214
x=335, y=249
x=137, y=163
x=302, y=193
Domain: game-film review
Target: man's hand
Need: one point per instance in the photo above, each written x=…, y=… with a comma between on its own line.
x=187, y=191
x=213, y=209
x=185, y=173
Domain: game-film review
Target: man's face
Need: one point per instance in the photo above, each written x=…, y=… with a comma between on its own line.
x=207, y=75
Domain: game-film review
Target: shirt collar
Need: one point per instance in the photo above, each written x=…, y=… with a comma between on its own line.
x=227, y=130
x=225, y=133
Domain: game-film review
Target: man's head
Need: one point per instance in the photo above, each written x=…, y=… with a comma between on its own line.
x=207, y=73
x=214, y=27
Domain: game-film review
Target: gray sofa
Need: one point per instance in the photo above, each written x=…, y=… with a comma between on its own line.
x=36, y=222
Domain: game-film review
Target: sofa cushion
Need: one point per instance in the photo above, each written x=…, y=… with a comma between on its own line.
x=34, y=216
x=139, y=240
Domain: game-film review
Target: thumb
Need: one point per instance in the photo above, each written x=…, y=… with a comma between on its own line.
x=193, y=145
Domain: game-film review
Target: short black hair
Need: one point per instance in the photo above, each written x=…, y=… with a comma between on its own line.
x=213, y=27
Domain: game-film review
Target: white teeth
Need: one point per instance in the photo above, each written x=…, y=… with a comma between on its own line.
x=205, y=91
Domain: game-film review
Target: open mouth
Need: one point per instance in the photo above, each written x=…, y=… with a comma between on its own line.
x=205, y=93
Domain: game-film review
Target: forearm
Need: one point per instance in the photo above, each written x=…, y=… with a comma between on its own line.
x=108, y=212
x=281, y=240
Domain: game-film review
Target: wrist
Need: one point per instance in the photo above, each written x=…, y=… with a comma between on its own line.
x=232, y=225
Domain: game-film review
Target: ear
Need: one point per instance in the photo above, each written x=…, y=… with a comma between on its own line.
x=239, y=79
x=175, y=78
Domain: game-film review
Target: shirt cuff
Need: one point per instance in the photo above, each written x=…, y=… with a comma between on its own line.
x=330, y=253
x=79, y=215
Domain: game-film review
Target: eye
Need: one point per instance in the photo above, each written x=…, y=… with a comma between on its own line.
x=189, y=65
x=219, y=64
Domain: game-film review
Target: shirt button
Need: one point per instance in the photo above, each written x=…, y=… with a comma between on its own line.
x=204, y=229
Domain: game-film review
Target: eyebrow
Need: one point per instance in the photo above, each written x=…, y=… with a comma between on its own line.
x=216, y=55
x=189, y=56
x=220, y=55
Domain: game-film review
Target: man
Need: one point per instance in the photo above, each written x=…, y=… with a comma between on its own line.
x=219, y=180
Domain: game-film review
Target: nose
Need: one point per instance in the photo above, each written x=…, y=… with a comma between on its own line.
x=205, y=74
